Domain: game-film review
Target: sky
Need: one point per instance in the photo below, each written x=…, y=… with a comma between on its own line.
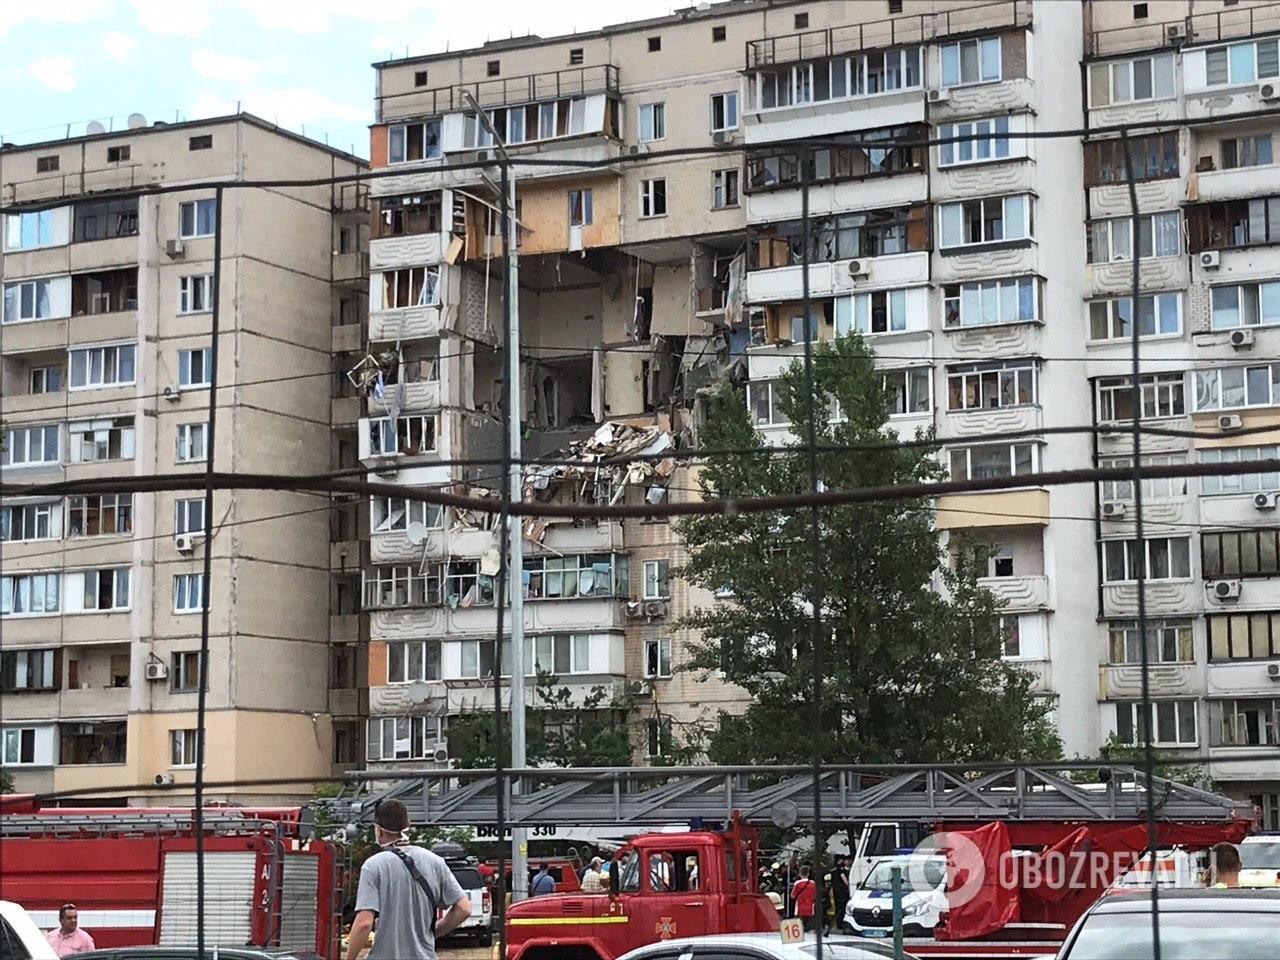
x=303, y=64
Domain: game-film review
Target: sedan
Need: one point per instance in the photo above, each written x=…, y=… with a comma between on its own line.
x=759, y=946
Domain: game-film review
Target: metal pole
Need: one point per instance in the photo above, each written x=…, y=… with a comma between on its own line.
x=895, y=884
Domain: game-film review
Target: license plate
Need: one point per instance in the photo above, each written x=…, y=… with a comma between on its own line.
x=875, y=933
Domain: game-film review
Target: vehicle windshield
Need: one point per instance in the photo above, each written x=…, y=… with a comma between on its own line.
x=1220, y=934
x=917, y=875
x=468, y=877
x=1260, y=856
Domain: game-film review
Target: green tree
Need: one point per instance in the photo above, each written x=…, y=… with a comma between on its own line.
x=6, y=781
x=911, y=673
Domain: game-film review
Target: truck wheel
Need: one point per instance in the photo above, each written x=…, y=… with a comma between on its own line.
x=485, y=939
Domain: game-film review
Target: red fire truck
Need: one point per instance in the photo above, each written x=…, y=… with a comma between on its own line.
x=132, y=874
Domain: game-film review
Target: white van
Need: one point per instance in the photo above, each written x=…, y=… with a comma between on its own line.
x=1260, y=860
x=20, y=938
x=924, y=897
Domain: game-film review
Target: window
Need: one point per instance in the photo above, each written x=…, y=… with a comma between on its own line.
x=409, y=435
x=194, y=367
x=106, y=589
x=971, y=61
x=93, y=441
x=191, y=442
x=27, y=670
x=1139, y=11
x=1254, y=635
x=989, y=302
x=881, y=311
x=762, y=401
x=724, y=189
x=1250, y=151
x=203, y=141
x=993, y=220
x=1168, y=641
x=802, y=21
x=1250, y=723
x=30, y=231
x=1161, y=558
x=100, y=514
x=493, y=68
x=653, y=198
x=1241, y=63
x=655, y=580
x=101, y=741
x=106, y=291
x=988, y=386
x=1124, y=81
x=27, y=446
x=874, y=233
x=188, y=593
x=895, y=6
x=659, y=728
x=1241, y=483
x=478, y=661
x=195, y=294
x=1152, y=158
x=19, y=746
x=581, y=212
x=389, y=514
x=1159, y=315
x=718, y=34
x=184, y=671
x=1231, y=224
x=403, y=738
x=182, y=747
x=197, y=218
x=107, y=219
x=724, y=112
x=1174, y=723
x=1232, y=388
x=558, y=654
x=1240, y=553
x=1011, y=637
x=410, y=660
x=102, y=366
x=653, y=122
x=657, y=658
x=117, y=154
x=577, y=575
x=1245, y=305
x=655, y=44
x=47, y=164
x=45, y=380
x=31, y=521
x=32, y=300
x=419, y=78
x=993, y=142
x=407, y=142
x=189, y=516
x=401, y=586
x=1162, y=395
x=410, y=287
x=528, y=122
x=408, y=215
x=993, y=460
x=29, y=593
x=907, y=390
x=1153, y=488
x=576, y=56
x=855, y=75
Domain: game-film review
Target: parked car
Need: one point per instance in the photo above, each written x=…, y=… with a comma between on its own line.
x=480, y=924
x=1260, y=860
x=924, y=897
x=1222, y=924
x=20, y=938
x=759, y=946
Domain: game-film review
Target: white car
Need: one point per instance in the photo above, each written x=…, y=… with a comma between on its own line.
x=20, y=938
x=1260, y=860
x=759, y=946
x=480, y=924
x=924, y=897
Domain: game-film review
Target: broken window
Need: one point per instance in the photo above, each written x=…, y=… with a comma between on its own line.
x=183, y=747
x=411, y=287
x=407, y=142
x=102, y=741
x=653, y=198
x=118, y=154
x=908, y=390
x=106, y=219
x=203, y=141
x=656, y=586
x=657, y=658
x=580, y=208
x=724, y=189
x=32, y=299
x=100, y=514
x=1151, y=158
x=409, y=435
x=106, y=292
x=97, y=440
x=194, y=367
x=106, y=589
x=401, y=586
x=1234, y=223
x=28, y=670
x=576, y=575
x=408, y=215
x=49, y=164
x=388, y=514
x=184, y=671
x=466, y=586
x=987, y=386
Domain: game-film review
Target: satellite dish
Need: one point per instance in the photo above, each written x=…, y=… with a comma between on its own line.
x=94, y=128
x=417, y=692
x=136, y=121
x=416, y=532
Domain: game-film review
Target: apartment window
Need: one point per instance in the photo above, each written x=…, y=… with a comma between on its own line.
x=1245, y=305
x=1111, y=241
x=100, y=514
x=724, y=189
x=19, y=745
x=990, y=302
x=30, y=231
x=419, y=78
x=478, y=660
x=31, y=300
x=28, y=446
x=1153, y=488
x=1139, y=11
x=656, y=586
x=493, y=68
x=31, y=521
x=411, y=660
x=108, y=219
x=577, y=575
x=47, y=164
x=802, y=21
x=881, y=311
x=203, y=141
x=183, y=747
x=410, y=435
x=1241, y=483
x=659, y=728
x=576, y=56
x=197, y=218
x=27, y=670
x=724, y=112
x=1240, y=553
x=195, y=294
x=581, y=212
x=895, y=7
x=718, y=34
x=403, y=738
x=388, y=514
x=111, y=366
x=992, y=142
x=188, y=593
x=989, y=460
x=106, y=589
x=971, y=61
x=184, y=671
x=1168, y=641
x=189, y=516
x=1162, y=395
x=411, y=287
x=45, y=380
x=1126, y=81
x=993, y=220
x=194, y=367
x=1232, y=388
x=1233, y=223
x=657, y=658
x=1250, y=151
x=1244, y=636
x=407, y=142
x=1250, y=723
x=117, y=154
x=94, y=441
x=104, y=292
x=1241, y=63
x=558, y=654
x=655, y=44
x=907, y=390
x=763, y=402
x=653, y=198
x=1174, y=723
x=192, y=442
x=1160, y=558
x=102, y=741
x=401, y=586
x=1151, y=157
x=29, y=593
x=653, y=122
x=989, y=386
x=1159, y=315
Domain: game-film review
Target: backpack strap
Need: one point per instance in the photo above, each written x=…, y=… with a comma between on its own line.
x=421, y=881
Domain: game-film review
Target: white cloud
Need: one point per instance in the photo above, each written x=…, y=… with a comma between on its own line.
x=56, y=73
x=290, y=107
x=119, y=47
x=230, y=66
x=16, y=13
x=190, y=18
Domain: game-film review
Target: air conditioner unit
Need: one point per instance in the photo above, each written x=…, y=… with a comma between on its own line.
x=440, y=753
x=155, y=670
x=1241, y=339
x=938, y=96
x=185, y=542
x=486, y=156
x=175, y=248
x=1113, y=510
x=859, y=268
x=1229, y=421
x=655, y=608
x=1176, y=31
x=635, y=150
x=635, y=608
x=1273, y=671
x=643, y=688
x=1264, y=501
x=1269, y=91
x=171, y=393
x=1210, y=260
x=1226, y=589
x=164, y=779
x=722, y=138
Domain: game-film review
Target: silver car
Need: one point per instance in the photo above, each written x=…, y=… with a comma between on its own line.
x=759, y=946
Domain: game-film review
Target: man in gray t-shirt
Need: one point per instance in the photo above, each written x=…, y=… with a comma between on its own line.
x=390, y=893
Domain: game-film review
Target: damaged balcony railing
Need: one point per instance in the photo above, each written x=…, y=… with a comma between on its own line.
x=499, y=91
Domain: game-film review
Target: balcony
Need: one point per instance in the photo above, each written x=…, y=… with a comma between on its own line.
x=406, y=323
x=350, y=267
x=422, y=395
x=1124, y=682
x=500, y=91
x=1210, y=27
x=411, y=250
x=1240, y=183
x=1019, y=594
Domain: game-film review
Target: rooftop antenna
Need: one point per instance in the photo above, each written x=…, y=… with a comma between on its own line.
x=136, y=121
x=94, y=128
